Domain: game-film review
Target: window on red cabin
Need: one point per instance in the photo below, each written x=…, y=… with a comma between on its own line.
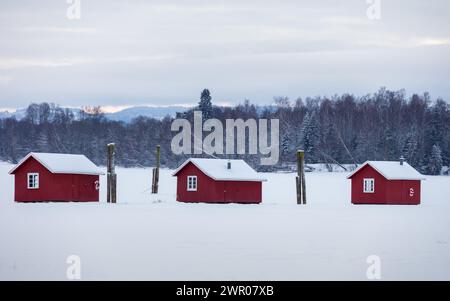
x=33, y=180
x=369, y=186
x=192, y=183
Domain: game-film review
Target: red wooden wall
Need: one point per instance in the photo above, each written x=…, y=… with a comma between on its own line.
x=399, y=192
x=386, y=191
x=53, y=187
x=211, y=191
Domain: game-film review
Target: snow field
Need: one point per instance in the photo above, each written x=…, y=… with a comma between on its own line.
x=153, y=237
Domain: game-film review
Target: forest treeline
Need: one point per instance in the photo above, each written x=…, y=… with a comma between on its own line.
x=343, y=129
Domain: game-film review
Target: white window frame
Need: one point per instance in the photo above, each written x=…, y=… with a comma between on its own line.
x=35, y=176
x=369, y=180
x=193, y=181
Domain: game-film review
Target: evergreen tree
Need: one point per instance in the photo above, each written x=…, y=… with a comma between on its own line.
x=285, y=146
x=410, y=149
x=435, y=161
x=309, y=136
x=436, y=124
x=205, y=104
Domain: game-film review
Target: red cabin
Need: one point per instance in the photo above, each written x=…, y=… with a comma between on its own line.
x=44, y=177
x=218, y=181
x=386, y=182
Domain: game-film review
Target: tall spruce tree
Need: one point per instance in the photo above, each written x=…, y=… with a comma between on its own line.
x=285, y=146
x=410, y=149
x=435, y=161
x=309, y=136
x=205, y=104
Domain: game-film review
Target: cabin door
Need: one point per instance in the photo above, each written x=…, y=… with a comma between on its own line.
x=230, y=192
x=409, y=193
x=225, y=191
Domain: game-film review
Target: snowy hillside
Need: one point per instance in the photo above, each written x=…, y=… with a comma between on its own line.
x=152, y=237
x=126, y=115
x=18, y=114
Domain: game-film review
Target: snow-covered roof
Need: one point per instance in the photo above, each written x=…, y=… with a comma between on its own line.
x=63, y=163
x=392, y=170
x=217, y=169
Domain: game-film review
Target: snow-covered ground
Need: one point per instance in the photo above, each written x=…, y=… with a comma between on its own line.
x=152, y=237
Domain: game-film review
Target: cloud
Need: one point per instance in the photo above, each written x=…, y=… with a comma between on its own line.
x=345, y=21
x=432, y=41
x=62, y=30
x=157, y=51
x=401, y=42
x=14, y=63
x=18, y=63
x=5, y=79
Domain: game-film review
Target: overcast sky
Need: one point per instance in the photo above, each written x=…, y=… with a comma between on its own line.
x=165, y=52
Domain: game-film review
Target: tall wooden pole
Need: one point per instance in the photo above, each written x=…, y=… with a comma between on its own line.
x=111, y=196
x=303, y=179
x=155, y=181
x=108, y=174
x=300, y=179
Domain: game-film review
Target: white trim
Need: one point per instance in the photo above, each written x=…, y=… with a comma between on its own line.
x=194, y=181
x=21, y=162
x=35, y=180
x=369, y=180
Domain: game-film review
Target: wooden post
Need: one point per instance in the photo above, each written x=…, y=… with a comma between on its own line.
x=114, y=188
x=108, y=174
x=111, y=195
x=155, y=180
x=303, y=180
x=300, y=179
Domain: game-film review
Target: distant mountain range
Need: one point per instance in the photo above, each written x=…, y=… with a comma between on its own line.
x=125, y=115
x=19, y=114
